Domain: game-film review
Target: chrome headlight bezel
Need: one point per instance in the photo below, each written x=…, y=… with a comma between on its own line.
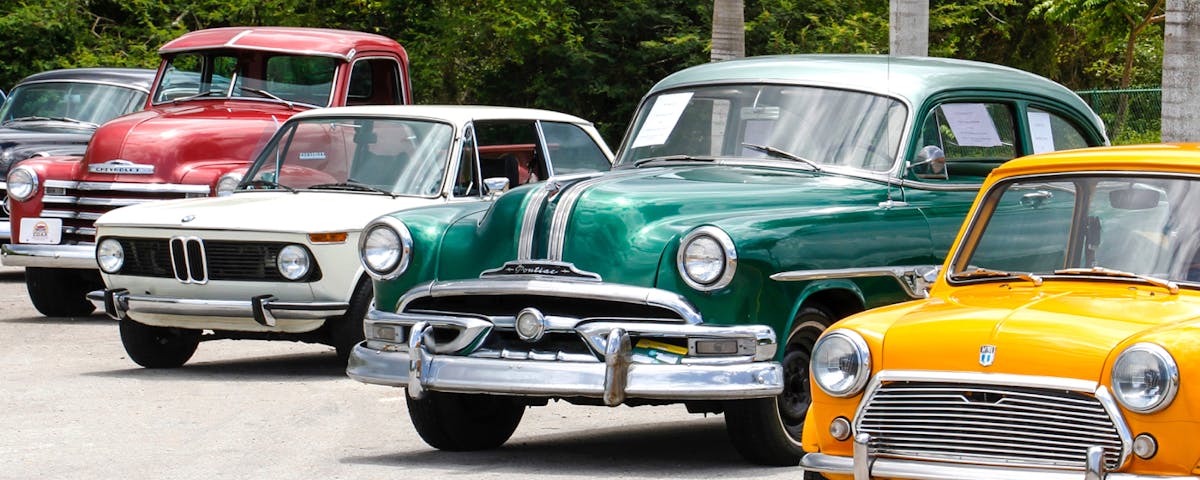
x=385, y=248
x=294, y=262
x=1166, y=370
x=227, y=183
x=110, y=255
x=22, y=183
x=714, y=273
x=860, y=354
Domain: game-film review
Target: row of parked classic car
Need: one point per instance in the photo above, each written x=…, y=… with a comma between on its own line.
x=489, y=259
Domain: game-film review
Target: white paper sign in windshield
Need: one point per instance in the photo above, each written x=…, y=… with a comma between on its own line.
x=1041, y=132
x=971, y=124
x=662, y=119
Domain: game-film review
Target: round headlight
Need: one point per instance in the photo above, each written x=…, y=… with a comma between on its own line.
x=227, y=183
x=707, y=259
x=841, y=363
x=110, y=256
x=22, y=183
x=385, y=248
x=293, y=262
x=1145, y=378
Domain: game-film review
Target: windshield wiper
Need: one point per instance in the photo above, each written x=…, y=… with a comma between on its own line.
x=209, y=93
x=1171, y=287
x=269, y=95
x=989, y=273
x=775, y=152
x=258, y=182
x=362, y=187
x=672, y=158
x=47, y=119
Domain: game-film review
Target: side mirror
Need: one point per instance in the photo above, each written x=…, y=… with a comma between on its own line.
x=495, y=185
x=930, y=163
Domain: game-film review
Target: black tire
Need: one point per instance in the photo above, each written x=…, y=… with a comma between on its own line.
x=767, y=431
x=459, y=422
x=347, y=330
x=158, y=347
x=62, y=292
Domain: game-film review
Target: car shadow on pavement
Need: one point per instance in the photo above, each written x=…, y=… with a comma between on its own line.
x=12, y=275
x=301, y=366
x=96, y=318
x=684, y=449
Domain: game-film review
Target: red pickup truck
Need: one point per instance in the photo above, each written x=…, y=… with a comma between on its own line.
x=218, y=95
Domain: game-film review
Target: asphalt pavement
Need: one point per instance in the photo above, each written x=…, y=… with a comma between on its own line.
x=73, y=406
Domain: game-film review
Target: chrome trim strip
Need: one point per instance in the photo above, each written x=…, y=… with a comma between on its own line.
x=532, y=285
x=128, y=187
x=914, y=470
x=911, y=278
x=49, y=256
x=533, y=206
x=553, y=379
x=1005, y=379
x=5, y=229
x=126, y=303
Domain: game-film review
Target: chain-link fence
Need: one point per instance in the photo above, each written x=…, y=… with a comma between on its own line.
x=1132, y=115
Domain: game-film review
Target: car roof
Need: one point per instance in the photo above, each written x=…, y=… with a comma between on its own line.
x=136, y=78
x=913, y=78
x=310, y=41
x=1162, y=157
x=457, y=114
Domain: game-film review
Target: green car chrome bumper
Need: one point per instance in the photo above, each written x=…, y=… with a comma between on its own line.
x=613, y=371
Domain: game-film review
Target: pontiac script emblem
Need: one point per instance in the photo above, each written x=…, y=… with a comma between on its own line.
x=546, y=268
x=987, y=355
x=119, y=166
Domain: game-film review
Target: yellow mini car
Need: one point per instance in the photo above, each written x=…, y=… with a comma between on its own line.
x=1060, y=340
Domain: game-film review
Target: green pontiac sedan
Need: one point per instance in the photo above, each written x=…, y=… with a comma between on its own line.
x=753, y=203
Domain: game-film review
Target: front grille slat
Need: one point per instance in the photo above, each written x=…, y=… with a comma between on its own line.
x=988, y=424
x=83, y=202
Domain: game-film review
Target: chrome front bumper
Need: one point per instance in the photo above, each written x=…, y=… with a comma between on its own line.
x=864, y=465
x=48, y=256
x=266, y=310
x=417, y=363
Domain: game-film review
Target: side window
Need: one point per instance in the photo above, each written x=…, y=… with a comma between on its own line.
x=1050, y=132
x=374, y=81
x=974, y=137
x=509, y=149
x=572, y=150
x=467, y=182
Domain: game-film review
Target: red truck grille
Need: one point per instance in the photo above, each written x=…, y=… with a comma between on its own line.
x=79, y=204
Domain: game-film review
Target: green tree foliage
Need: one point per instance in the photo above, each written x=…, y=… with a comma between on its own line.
x=592, y=58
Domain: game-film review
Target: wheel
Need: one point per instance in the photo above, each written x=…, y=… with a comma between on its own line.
x=460, y=422
x=62, y=292
x=158, y=347
x=347, y=330
x=767, y=431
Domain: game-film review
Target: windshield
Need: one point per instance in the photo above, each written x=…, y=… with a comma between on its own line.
x=402, y=157
x=89, y=103
x=1136, y=225
x=246, y=74
x=825, y=126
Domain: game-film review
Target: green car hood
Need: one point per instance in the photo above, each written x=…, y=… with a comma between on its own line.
x=622, y=223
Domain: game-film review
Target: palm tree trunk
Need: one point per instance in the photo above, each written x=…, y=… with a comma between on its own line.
x=908, y=27
x=1181, y=79
x=728, y=30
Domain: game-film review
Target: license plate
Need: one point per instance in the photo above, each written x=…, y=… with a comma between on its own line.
x=41, y=230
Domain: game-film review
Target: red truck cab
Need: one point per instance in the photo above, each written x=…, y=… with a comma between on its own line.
x=218, y=96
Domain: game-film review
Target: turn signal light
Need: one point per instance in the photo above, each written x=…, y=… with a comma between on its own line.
x=328, y=237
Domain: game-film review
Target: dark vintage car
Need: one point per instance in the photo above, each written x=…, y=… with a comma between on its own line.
x=753, y=203
x=55, y=113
